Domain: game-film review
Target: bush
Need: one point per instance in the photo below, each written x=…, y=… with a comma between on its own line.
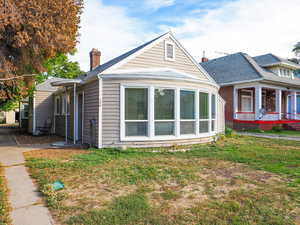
x=228, y=132
x=277, y=129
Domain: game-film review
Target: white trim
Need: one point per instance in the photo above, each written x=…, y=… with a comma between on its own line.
x=66, y=117
x=151, y=120
x=166, y=51
x=82, y=115
x=100, y=83
x=33, y=115
x=153, y=77
x=74, y=114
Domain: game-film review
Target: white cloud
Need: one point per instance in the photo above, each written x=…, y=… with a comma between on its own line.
x=251, y=26
x=109, y=29
x=156, y=4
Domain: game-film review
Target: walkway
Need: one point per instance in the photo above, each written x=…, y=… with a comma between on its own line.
x=26, y=204
x=272, y=136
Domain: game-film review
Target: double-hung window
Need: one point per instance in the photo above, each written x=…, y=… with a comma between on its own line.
x=203, y=112
x=187, y=112
x=136, y=112
x=57, y=105
x=213, y=112
x=164, y=111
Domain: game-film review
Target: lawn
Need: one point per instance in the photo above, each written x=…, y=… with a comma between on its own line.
x=238, y=180
x=4, y=209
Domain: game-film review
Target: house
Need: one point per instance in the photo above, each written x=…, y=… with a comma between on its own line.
x=37, y=111
x=153, y=95
x=260, y=92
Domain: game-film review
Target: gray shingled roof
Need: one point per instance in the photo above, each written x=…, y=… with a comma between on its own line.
x=240, y=67
x=114, y=61
x=231, y=68
x=271, y=59
x=46, y=85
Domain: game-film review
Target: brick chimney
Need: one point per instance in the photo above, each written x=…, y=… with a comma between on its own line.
x=204, y=59
x=95, y=55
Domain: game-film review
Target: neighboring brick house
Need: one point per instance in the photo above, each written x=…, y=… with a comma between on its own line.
x=260, y=92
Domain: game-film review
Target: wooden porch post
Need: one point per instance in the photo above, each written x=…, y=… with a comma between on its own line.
x=235, y=102
x=258, y=102
x=278, y=102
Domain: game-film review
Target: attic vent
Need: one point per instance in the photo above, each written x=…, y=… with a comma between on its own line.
x=169, y=51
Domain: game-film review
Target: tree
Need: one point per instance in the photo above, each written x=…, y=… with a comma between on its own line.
x=31, y=32
x=296, y=49
x=60, y=66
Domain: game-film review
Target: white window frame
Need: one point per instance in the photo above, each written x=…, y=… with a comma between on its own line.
x=251, y=100
x=195, y=112
x=209, y=113
x=65, y=100
x=166, y=51
x=55, y=105
x=151, y=121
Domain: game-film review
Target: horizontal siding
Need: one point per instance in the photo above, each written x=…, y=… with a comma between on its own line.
x=155, y=58
x=43, y=107
x=91, y=109
x=111, y=112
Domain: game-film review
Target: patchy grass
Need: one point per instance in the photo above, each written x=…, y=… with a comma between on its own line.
x=4, y=208
x=238, y=180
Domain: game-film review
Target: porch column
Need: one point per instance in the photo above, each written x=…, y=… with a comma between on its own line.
x=294, y=105
x=235, y=103
x=278, y=102
x=258, y=102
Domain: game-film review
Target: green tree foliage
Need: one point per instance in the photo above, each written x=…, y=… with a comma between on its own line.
x=60, y=66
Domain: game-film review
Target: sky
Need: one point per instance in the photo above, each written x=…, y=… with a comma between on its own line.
x=217, y=27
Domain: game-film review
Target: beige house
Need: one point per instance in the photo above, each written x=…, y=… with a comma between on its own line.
x=153, y=95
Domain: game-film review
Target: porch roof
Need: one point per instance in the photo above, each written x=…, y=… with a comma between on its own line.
x=66, y=82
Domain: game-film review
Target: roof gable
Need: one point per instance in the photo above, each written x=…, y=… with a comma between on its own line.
x=151, y=55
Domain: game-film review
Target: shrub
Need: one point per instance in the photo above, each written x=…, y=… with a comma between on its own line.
x=228, y=132
x=277, y=128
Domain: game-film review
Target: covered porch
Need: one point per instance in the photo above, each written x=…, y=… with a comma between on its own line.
x=264, y=103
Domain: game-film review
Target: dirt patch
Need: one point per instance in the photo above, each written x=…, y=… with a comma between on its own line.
x=54, y=153
x=24, y=139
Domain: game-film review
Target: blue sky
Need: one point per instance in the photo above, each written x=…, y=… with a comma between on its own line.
x=251, y=26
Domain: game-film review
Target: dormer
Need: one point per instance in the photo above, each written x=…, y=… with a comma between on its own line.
x=281, y=67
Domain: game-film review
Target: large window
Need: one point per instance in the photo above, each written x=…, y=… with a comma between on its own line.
x=203, y=112
x=164, y=111
x=187, y=112
x=213, y=112
x=136, y=111
x=158, y=113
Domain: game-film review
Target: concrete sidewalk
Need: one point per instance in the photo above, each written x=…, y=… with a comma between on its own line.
x=25, y=201
x=272, y=136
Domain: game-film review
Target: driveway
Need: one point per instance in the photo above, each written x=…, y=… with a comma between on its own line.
x=27, y=206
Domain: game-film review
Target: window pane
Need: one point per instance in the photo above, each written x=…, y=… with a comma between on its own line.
x=164, y=128
x=136, y=129
x=170, y=51
x=164, y=104
x=203, y=126
x=298, y=103
x=213, y=125
x=187, y=127
x=213, y=106
x=203, y=104
x=136, y=104
x=187, y=105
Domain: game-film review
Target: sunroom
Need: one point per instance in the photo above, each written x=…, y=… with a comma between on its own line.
x=159, y=112
x=266, y=103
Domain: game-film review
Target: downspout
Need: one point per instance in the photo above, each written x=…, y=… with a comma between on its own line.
x=74, y=114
